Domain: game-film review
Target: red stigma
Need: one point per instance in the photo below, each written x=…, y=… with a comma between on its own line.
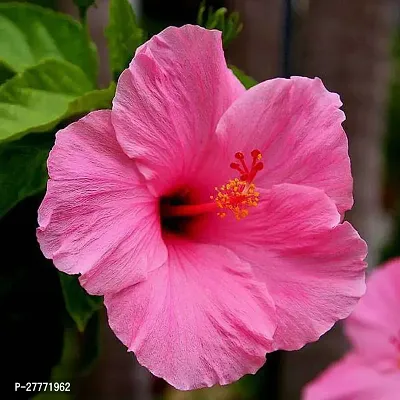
x=240, y=194
x=255, y=153
x=248, y=174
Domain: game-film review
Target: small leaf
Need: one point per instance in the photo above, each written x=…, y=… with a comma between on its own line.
x=30, y=34
x=216, y=19
x=40, y=97
x=228, y=24
x=123, y=34
x=200, y=13
x=247, y=81
x=80, y=305
x=23, y=170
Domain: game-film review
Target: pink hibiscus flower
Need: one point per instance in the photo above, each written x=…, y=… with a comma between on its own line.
x=371, y=371
x=200, y=283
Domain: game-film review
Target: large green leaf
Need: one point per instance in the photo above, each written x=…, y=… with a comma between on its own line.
x=42, y=3
x=5, y=73
x=23, y=169
x=40, y=97
x=123, y=34
x=29, y=34
x=78, y=303
x=94, y=100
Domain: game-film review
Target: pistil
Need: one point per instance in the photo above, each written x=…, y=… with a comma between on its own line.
x=240, y=194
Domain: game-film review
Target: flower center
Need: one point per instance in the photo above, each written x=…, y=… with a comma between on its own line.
x=239, y=194
x=235, y=196
x=173, y=219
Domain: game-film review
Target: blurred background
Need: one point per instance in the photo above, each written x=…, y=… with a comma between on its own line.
x=354, y=47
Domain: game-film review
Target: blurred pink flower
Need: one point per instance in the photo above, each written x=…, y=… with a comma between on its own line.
x=371, y=371
x=202, y=274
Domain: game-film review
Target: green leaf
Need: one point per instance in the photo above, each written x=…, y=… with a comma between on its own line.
x=200, y=13
x=247, y=81
x=40, y=97
x=42, y=3
x=123, y=34
x=94, y=100
x=29, y=34
x=23, y=170
x=80, y=305
x=228, y=24
x=5, y=73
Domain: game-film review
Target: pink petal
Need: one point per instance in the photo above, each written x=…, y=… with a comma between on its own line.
x=351, y=379
x=311, y=264
x=97, y=218
x=169, y=101
x=296, y=124
x=199, y=320
x=375, y=322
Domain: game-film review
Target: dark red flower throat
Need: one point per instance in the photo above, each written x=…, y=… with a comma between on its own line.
x=179, y=209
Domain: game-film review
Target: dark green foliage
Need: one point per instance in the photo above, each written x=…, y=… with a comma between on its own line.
x=23, y=170
x=78, y=303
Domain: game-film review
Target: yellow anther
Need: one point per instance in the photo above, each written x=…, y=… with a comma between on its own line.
x=235, y=197
x=239, y=194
